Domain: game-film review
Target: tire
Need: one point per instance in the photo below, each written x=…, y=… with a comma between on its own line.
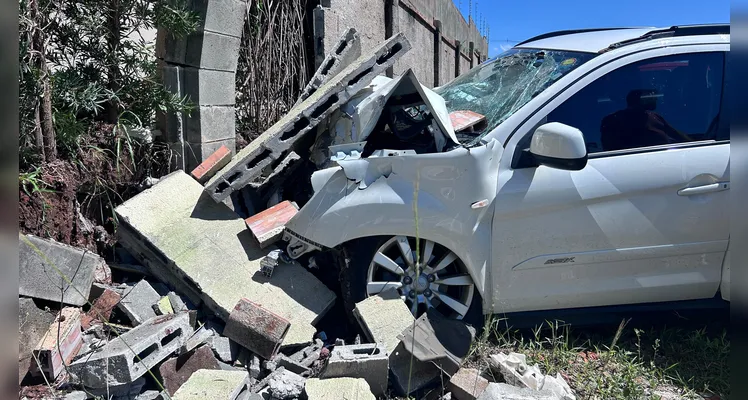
x=354, y=261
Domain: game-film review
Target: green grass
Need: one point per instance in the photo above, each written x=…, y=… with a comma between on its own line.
x=627, y=363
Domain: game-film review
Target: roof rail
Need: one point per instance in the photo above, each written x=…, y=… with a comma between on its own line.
x=674, y=31
x=566, y=32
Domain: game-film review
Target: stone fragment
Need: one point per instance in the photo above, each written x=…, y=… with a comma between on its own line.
x=286, y=385
x=254, y=367
x=504, y=391
x=102, y=273
x=137, y=302
x=53, y=271
x=101, y=309
x=225, y=349
x=367, y=361
x=383, y=317
x=127, y=357
x=60, y=344
x=338, y=388
x=256, y=328
x=467, y=384
x=163, y=306
x=33, y=324
x=212, y=164
x=183, y=237
x=267, y=226
x=282, y=137
x=207, y=384
x=201, y=335
x=175, y=371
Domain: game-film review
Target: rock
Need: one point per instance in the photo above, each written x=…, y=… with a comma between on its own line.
x=286, y=385
x=338, y=388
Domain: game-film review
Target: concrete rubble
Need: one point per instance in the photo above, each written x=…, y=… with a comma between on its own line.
x=207, y=296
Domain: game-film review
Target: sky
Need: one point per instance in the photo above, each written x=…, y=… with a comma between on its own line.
x=514, y=21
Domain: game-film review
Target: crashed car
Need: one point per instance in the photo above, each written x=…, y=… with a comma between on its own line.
x=577, y=169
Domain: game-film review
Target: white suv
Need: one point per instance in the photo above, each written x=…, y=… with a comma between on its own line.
x=600, y=176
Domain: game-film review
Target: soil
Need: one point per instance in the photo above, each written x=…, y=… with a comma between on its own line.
x=79, y=194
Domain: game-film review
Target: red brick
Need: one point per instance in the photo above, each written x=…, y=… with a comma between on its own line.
x=464, y=119
x=467, y=384
x=101, y=309
x=267, y=226
x=60, y=344
x=256, y=328
x=212, y=164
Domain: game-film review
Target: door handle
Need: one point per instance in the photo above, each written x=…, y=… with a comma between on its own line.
x=710, y=188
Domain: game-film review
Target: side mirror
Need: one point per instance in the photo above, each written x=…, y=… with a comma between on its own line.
x=561, y=146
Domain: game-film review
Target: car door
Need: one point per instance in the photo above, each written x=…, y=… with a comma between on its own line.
x=646, y=220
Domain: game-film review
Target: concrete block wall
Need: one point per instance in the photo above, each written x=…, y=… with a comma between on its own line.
x=434, y=28
x=202, y=66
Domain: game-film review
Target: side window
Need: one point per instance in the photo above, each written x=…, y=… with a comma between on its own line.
x=663, y=100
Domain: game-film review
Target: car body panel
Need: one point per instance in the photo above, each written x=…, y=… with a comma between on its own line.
x=586, y=41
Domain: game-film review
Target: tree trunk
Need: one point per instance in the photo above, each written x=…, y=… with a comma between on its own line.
x=113, y=38
x=45, y=107
x=38, y=137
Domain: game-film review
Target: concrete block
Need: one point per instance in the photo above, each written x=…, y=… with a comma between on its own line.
x=213, y=384
x=49, y=270
x=213, y=163
x=101, y=309
x=256, y=328
x=286, y=362
x=137, y=302
x=127, y=357
x=202, y=335
x=177, y=304
x=177, y=370
x=508, y=392
x=207, y=87
x=125, y=391
x=338, y=388
x=223, y=16
x=383, y=317
x=33, y=324
x=408, y=378
x=286, y=385
x=267, y=226
x=163, y=306
x=210, y=124
x=196, y=153
x=513, y=367
x=77, y=395
x=442, y=341
x=467, y=384
x=200, y=49
x=254, y=367
x=151, y=395
x=277, y=172
x=368, y=361
x=60, y=344
x=274, y=143
x=225, y=349
x=204, y=249
x=347, y=50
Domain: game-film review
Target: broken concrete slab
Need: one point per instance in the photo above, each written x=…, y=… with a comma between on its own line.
x=256, y=328
x=53, y=271
x=508, y=392
x=201, y=335
x=101, y=309
x=177, y=304
x=60, y=344
x=125, y=391
x=33, y=324
x=338, y=388
x=286, y=385
x=204, y=248
x=383, y=317
x=127, y=357
x=224, y=348
x=442, y=341
x=213, y=384
x=347, y=50
x=368, y=361
x=467, y=384
x=267, y=226
x=286, y=362
x=275, y=142
x=177, y=370
x=212, y=164
x=409, y=374
x=513, y=367
x=137, y=302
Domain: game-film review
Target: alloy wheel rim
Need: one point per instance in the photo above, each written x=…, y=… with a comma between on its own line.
x=437, y=279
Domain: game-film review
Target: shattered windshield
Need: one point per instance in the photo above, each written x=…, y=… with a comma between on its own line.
x=498, y=88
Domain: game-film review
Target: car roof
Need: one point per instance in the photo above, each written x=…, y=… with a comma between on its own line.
x=597, y=40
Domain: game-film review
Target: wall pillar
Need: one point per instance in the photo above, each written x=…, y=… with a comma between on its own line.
x=458, y=54
x=437, y=51
x=202, y=67
x=471, y=48
x=391, y=25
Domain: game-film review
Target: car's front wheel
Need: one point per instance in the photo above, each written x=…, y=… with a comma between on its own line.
x=426, y=275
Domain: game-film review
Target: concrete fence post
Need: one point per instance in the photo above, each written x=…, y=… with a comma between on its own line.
x=471, y=48
x=391, y=25
x=458, y=54
x=437, y=50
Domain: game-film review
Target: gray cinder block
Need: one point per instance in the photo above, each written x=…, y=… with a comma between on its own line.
x=137, y=302
x=127, y=357
x=368, y=361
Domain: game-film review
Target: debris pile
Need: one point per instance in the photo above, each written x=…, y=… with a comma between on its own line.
x=208, y=295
